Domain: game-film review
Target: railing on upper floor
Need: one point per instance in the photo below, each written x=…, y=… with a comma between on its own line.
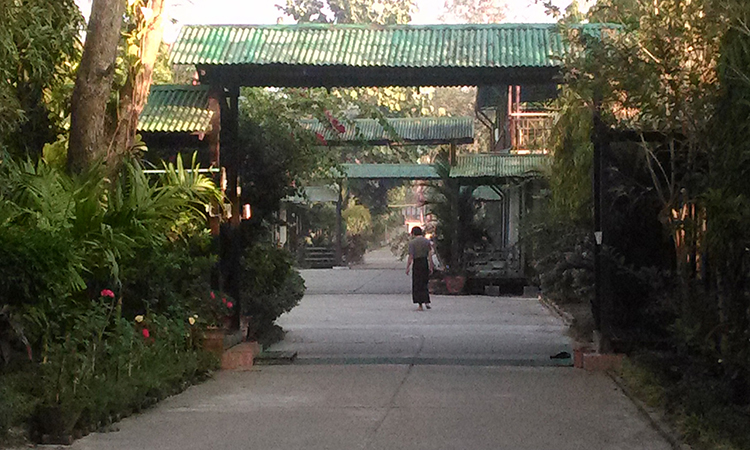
x=530, y=131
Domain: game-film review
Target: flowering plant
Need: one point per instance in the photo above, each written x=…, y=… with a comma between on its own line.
x=218, y=308
x=142, y=325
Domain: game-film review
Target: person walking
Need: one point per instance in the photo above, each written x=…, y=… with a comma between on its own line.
x=419, y=256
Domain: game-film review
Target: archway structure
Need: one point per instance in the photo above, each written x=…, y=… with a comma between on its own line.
x=324, y=55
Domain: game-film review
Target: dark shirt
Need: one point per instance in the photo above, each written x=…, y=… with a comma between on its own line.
x=419, y=247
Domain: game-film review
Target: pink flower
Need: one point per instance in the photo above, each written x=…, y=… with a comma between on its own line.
x=213, y=296
x=107, y=293
x=229, y=305
x=224, y=300
x=145, y=333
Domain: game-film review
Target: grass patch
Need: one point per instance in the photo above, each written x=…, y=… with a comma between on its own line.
x=695, y=400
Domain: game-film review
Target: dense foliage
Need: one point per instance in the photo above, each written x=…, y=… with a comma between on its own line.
x=270, y=285
x=281, y=154
x=664, y=96
x=454, y=208
x=39, y=49
x=100, y=278
x=349, y=11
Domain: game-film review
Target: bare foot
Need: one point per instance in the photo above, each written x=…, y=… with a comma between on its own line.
x=420, y=308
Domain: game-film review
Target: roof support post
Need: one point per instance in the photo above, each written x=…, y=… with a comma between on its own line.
x=231, y=235
x=215, y=99
x=456, y=250
x=230, y=138
x=339, y=225
x=601, y=303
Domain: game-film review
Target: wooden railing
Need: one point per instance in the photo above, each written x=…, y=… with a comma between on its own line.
x=530, y=131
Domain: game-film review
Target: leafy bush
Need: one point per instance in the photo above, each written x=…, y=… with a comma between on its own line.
x=454, y=209
x=105, y=365
x=17, y=402
x=562, y=259
x=355, y=248
x=171, y=274
x=270, y=286
x=696, y=398
x=399, y=245
x=98, y=353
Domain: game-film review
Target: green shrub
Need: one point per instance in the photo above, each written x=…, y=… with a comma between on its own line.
x=103, y=367
x=355, y=248
x=563, y=261
x=62, y=240
x=169, y=275
x=269, y=284
x=17, y=402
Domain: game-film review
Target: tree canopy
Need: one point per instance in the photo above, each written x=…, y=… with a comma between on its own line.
x=387, y=12
x=474, y=11
x=39, y=50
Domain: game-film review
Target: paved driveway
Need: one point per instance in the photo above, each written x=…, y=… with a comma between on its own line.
x=365, y=315
x=373, y=373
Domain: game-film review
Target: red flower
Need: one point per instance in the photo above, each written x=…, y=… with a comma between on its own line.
x=321, y=139
x=145, y=332
x=107, y=293
x=229, y=305
x=224, y=300
x=213, y=296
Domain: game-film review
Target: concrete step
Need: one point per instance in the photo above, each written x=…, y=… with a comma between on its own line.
x=241, y=356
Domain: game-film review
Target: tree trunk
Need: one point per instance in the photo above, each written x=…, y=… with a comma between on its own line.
x=94, y=83
x=134, y=94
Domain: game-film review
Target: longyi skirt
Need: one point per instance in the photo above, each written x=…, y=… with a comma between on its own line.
x=420, y=277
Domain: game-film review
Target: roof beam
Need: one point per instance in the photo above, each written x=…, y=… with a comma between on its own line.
x=281, y=75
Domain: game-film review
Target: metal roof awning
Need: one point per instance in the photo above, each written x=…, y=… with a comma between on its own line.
x=174, y=108
x=498, y=165
x=475, y=166
x=404, y=131
x=389, y=171
x=185, y=109
x=305, y=55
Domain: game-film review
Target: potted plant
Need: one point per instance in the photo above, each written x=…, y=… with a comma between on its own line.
x=453, y=208
x=216, y=315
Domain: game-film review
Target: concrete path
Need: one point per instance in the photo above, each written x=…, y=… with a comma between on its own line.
x=472, y=373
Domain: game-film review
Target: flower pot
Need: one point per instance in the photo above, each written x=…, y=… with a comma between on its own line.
x=437, y=286
x=213, y=341
x=454, y=284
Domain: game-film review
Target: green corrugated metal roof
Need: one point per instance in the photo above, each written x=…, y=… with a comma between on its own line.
x=417, y=130
x=392, y=171
x=475, y=165
x=492, y=45
x=176, y=109
x=494, y=165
